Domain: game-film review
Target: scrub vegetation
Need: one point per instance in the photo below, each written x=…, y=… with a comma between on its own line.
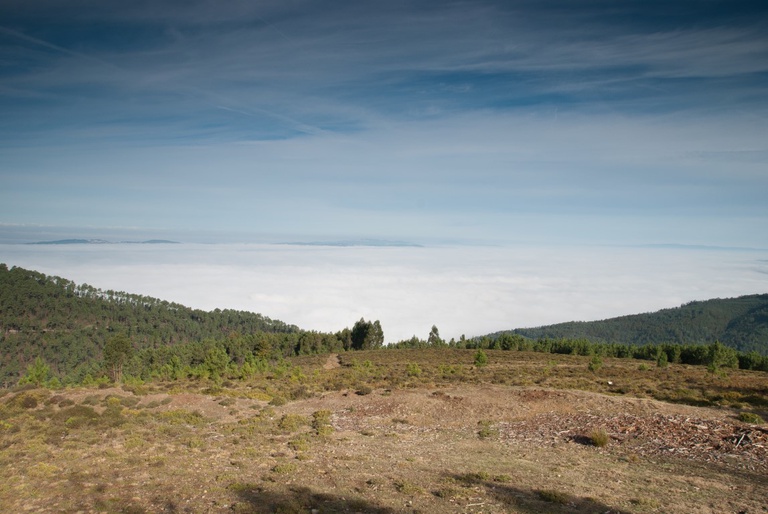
x=527, y=432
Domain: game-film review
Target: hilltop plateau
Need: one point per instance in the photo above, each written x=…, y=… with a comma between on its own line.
x=395, y=432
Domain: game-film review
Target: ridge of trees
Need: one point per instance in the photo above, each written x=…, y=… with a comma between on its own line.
x=740, y=323
x=80, y=331
x=54, y=332
x=714, y=355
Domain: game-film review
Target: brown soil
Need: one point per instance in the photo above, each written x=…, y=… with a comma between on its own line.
x=459, y=449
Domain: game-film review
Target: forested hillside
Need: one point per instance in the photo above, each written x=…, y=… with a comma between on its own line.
x=68, y=325
x=740, y=323
x=52, y=329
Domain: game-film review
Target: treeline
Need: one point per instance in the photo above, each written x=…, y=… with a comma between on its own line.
x=63, y=333
x=714, y=354
x=740, y=323
x=235, y=357
x=67, y=326
x=241, y=356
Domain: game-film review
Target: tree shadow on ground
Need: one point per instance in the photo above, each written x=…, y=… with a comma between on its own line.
x=257, y=500
x=534, y=501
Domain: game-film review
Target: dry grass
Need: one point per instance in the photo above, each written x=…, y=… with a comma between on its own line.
x=413, y=443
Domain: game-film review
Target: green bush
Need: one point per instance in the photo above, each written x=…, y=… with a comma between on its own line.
x=76, y=416
x=364, y=390
x=413, y=369
x=552, y=496
x=284, y=469
x=28, y=399
x=321, y=422
x=291, y=422
x=751, y=417
x=481, y=359
x=299, y=445
x=37, y=373
x=181, y=417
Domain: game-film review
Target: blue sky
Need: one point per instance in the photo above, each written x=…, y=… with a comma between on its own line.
x=597, y=122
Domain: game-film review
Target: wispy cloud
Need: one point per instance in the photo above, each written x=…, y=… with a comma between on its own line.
x=448, y=119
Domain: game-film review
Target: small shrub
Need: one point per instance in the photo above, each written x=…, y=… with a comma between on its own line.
x=134, y=443
x=481, y=359
x=474, y=478
x=300, y=392
x=599, y=438
x=413, y=370
x=645, y=502
x=54, y=400
x=405, y=487
x=277, y=401
x=194, y=443
x=27, y=399
x=321, y=422
x=552, y=496
x=181, y=417
x=284, y=468
x=595, y=364
x=91, y=400
x=291, y=422
x=364, y=391
x=242, y=487
x=28, y=402
x=76, y=422
x=127, y=401
x=299, y=445
x=487, y=430
x=448, y=492
x=751, y=417
x=79, y=411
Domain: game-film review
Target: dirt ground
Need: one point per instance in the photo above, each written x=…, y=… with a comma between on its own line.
x=457, y=449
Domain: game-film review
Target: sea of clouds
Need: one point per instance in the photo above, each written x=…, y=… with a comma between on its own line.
x=471, y=290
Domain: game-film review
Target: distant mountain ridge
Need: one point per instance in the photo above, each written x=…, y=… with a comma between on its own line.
x=101, y=242
x=740, y=323
x=356, y=242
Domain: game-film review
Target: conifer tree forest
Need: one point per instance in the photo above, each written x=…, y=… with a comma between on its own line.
x=56, y=332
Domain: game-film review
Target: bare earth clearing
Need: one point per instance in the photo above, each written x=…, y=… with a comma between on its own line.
x=460, y=448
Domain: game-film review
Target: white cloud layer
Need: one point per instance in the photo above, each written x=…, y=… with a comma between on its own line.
x=462, y=290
